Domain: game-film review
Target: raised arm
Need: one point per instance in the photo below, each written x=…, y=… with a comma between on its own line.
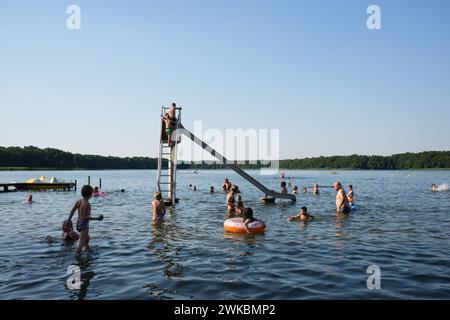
x=72, y=212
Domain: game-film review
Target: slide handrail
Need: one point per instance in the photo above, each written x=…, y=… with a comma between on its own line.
x=239, y=171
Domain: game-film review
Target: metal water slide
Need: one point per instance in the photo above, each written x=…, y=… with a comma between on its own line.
x=268, y=193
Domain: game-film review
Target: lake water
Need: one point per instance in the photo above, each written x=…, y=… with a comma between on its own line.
x=400, y=226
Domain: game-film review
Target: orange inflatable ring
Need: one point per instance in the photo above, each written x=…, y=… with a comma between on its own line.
x=236, y=225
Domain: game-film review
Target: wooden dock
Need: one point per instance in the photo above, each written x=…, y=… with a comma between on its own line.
x=23, y=186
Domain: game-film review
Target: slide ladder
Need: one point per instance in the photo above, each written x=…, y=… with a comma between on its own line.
x=268, y=193
x=167, y=161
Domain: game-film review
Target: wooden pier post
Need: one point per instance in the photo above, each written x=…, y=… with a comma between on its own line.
x=89, y=180
x=100, y=183
x=76, y=182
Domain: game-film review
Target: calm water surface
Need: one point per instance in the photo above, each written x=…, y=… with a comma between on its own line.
x=400, y=226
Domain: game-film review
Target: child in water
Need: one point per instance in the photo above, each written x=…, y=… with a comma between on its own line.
x=240, y=206
x=231, y=202
x=67, y=231
x=158, y=208
x=284, y=190
x=248, y=218
x=295, y=190
x=211, y=189
x=29, y=199
x=84, y=216
x=350, y=195
x=304, y=190
x=316, y=189
x=302, y=216
x=433, y=187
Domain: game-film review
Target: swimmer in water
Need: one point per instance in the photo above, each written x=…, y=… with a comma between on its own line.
x=284, y=190
x=434, y=188
x=304, y=190
x=158, y=208
x=29, y=199
x=342, y=205
x=302, y=216
x=194, y=188
x=211, y=189
x=68, y=234
x=225, y=185
x=316, y=189
x=295, y=190
x=240, y=206
x=231, y=202
x=350, y=195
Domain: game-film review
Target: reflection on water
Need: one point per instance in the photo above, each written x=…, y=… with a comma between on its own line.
x=190, y=256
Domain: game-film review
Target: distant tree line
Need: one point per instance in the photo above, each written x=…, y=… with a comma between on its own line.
x=404, y=161
x=35, y=158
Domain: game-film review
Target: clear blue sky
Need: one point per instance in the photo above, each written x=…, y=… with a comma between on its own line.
x=310, y=68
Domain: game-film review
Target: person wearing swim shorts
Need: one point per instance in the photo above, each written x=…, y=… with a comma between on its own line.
x=158, y=208
x=84, y=216
x=170, y=122
x=342, y=205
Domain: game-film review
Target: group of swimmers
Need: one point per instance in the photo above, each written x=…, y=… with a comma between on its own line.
x=236, y=208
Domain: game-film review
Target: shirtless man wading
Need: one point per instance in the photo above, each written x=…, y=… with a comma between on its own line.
x=342, y=205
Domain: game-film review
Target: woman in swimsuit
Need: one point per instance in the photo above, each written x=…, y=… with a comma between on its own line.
x=231, y=202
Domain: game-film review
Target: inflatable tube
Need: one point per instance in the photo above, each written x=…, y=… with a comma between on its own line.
x=99, y=194
x=236, y=225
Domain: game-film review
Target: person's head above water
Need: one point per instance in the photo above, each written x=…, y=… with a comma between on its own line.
x=316, y=186
x=96, y=189
x=234, y=188
x=304, y=210
x=87, y=191
x=174, y=105
x=283, y=184
x=122, y=190
x=157, y=195
x=350, y=187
